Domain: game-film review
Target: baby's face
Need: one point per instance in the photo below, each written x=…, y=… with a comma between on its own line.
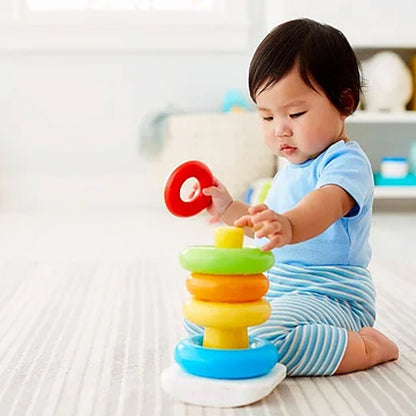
x=298, y=123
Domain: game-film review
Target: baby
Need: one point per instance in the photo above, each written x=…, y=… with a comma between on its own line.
x=305, y=81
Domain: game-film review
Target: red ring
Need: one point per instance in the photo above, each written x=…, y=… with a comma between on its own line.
x=175, y=204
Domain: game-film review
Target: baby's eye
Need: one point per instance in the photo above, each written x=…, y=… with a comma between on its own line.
x=268, y=118
x=296, y=115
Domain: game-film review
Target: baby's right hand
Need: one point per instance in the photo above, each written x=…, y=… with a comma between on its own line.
x=221, y=198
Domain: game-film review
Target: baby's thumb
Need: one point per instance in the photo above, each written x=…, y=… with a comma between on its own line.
x=210, y=191
x=207, y=191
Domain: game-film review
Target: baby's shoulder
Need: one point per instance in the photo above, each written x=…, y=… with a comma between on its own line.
x=348, y=154
x=343, y=149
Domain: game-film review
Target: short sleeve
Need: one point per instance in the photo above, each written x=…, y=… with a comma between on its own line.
x=350, y=169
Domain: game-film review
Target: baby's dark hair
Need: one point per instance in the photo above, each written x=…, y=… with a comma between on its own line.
x=323, y=56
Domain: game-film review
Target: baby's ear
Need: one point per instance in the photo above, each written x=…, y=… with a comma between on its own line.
x=348, y=102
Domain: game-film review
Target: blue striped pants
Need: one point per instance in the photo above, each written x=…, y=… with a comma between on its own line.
x=312, y=309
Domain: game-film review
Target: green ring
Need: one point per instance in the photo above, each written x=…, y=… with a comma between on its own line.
x=211, y=260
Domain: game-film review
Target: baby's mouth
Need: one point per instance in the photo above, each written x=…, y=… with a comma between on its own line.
x=287, y=150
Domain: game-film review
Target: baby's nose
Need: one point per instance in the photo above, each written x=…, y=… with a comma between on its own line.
x=282, y=130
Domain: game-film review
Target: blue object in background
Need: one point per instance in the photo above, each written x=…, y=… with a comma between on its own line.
x=408, y=180
x=412, y=158
x=394, y=167
x=234, y=102
x=394, y=159
x=151, y=130
x=258, y=190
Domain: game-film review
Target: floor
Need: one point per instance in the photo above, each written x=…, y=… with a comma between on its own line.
x=90, y=311
x=108, y=237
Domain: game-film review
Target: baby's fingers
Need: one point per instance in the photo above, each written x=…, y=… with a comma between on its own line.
x=267, y=228
x=257, y=208
x=244, y=221
x=274, y=242
x=211, y=191
x=265, y=216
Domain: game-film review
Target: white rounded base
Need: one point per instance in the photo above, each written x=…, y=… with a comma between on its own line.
x=218, y=392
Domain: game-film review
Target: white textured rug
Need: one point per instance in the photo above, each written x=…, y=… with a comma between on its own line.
x=82, y=337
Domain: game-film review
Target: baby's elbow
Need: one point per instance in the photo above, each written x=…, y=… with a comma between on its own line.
x=347, y=204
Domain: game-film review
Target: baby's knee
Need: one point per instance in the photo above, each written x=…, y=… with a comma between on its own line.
x=313, y=350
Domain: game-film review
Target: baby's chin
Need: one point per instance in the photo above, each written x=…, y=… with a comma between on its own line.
x=296, y=158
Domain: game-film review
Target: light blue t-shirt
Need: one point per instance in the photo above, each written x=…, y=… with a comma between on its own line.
x=346, y=241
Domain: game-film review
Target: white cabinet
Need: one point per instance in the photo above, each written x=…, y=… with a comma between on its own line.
x=369, y=26
x=384, y=135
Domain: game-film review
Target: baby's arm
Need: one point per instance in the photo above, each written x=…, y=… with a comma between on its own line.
x=310, y=217
x=317, y=211
x=224, y=207
x=234, y=211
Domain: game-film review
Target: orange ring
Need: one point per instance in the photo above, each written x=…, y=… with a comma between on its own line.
x=227, y=288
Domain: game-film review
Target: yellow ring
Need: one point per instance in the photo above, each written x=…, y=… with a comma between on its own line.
x=226, y=315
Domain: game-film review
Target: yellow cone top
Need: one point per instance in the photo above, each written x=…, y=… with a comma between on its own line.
x=229, y=237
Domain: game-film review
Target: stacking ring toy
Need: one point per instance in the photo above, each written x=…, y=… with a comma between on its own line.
x=226, y=315
x=212, y=260
x=226, y=288
x=255, y=361
x=175, y=204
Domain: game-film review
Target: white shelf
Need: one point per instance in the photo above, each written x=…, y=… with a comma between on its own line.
x=394, y=192
x=382, y=117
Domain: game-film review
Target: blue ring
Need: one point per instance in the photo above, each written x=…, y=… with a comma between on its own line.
x=254, y=361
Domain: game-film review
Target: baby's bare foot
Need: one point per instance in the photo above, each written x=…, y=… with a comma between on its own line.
x=381, y=348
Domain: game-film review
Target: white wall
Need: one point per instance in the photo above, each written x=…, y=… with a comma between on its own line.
x=69, y=122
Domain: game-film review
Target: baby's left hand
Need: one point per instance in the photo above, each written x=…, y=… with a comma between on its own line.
x=267, y=223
